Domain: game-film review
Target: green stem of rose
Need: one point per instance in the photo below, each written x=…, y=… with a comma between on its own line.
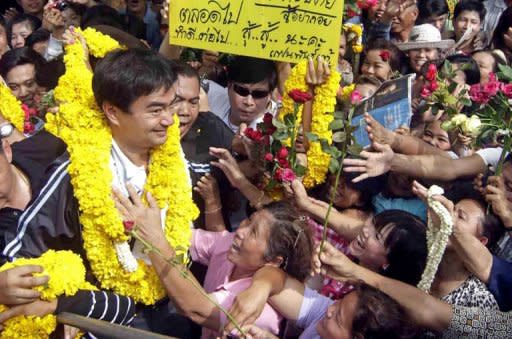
x=293, y=155
x=506, y=148
x=186, y=275
x=348, y=139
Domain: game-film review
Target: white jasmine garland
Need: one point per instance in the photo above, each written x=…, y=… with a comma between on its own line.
x=125, y=256
x=437, y=239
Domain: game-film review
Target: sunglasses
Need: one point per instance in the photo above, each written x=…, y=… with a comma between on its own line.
x=256, y=94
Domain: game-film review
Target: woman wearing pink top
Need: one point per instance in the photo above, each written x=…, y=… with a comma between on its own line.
x=273, y=236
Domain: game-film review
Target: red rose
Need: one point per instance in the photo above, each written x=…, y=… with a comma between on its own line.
x=299, y=96
x=356, y=97
x=507, y=90
x=434, y=86
x=28, y=127
x=266, y=140
x=478, y=95
x=269, y=157
x=282, y=153
x=425, y=92
x=267, y=119
x=283, y=163
x=128, y=225
x=367, y=4
x=491, y=88
x=288, y=175
x=384, y=55
x=431, y=73
x=278, y=174
x=252, y=134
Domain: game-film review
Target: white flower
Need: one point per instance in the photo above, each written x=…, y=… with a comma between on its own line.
x=447, y=125
x=472, y=126
x=459, y=119
x=125, y=256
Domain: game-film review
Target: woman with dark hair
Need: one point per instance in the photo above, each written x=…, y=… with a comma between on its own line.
x=20, y=27
x=488, y=62
x=381, y=59
x=4, y=45
x=393, y=242
x=502, y=38
x=364, y=313
x=273, y=236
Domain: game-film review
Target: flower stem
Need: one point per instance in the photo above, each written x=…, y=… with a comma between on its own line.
x=186, y=275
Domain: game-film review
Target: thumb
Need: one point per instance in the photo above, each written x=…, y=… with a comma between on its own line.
x=242, y=128
x=379, y=147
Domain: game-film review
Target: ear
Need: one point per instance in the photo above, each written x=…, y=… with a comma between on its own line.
x=111, y=113
x=276, y=262
x=484, y=240
x=415, y=13
x=7, y=150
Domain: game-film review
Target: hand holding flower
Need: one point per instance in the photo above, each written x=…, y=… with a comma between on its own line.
x=147, y=219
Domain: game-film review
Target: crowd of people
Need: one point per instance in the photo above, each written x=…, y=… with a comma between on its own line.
x=258, y=258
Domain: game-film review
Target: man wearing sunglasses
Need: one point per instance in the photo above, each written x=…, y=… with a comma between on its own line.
x=248, y=94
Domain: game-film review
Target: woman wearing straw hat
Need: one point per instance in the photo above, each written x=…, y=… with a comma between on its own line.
x=425, y=44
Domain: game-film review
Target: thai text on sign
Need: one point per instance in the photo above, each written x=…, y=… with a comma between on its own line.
x=284, y=30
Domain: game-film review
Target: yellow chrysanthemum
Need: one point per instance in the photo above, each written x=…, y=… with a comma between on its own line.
x=82, y=125
x=10, y=108
x=67, y=276
x=324, y=103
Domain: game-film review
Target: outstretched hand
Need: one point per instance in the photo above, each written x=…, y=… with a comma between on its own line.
x=372, y=164
x=316, y=76
x=228, y=165
x=332, y=263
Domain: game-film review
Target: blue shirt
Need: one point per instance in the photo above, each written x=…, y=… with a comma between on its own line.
x=500, y=283
x=413, y=205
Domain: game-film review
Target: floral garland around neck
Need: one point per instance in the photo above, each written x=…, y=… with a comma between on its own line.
x=82, y=125
x=10, y=108
x=324, y=103
x=67, y=276
x=436, y=239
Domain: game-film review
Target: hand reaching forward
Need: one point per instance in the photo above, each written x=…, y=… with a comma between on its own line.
x=228, y=165
x=372, y=164
x=496, y=195
x=332, y=263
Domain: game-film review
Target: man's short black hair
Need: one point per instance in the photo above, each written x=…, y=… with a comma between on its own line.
x=431, y=8
x=20, y=56
x=3, y=23
x=471, y=6
x=470, y=67
x=247, y=70
x=123, y=76
x=39, y=35
x=185, y=70
x=101, y=15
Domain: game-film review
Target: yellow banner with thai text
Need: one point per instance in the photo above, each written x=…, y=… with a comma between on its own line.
x=283, y=30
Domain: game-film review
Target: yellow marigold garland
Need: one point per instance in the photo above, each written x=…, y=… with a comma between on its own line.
x=82, y=125
x=10, y=108
x=323, y=107
x=67, y=276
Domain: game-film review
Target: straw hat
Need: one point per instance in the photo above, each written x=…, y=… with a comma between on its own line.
x=425, y=36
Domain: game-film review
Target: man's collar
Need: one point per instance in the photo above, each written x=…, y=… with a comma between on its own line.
x=130, y=168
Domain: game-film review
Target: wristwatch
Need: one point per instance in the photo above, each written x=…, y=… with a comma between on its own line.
x=6, y=129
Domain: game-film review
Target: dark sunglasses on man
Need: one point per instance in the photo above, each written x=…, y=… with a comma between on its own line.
x=256, y=94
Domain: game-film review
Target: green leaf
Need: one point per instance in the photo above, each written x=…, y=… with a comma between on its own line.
x=339, y=115
x=280, y=134
x=505, y=73
x=334, y=165
x=289, y=119
x=278, y=123
x=465, y=101
x=336, y=124
x=312, y=136
x=325, y=146
x=271, y=184
x=452, y=87
x=354, y=149
x=339, y=137
x=300, y=170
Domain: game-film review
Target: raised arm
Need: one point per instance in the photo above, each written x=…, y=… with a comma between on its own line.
x=178, y=281
x=434, y=167
x=424, y=310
